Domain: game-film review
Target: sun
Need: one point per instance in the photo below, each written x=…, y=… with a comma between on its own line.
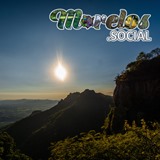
x=60, y=72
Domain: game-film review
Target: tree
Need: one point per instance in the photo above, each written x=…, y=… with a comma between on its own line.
x=8, y=149
x=141, y=56
x=131, y=66
x=155, y=52
x=149, y=56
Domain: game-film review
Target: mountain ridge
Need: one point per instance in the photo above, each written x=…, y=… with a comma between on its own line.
x=78, y=112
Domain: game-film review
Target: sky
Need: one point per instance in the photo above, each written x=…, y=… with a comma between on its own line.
x=30, y=45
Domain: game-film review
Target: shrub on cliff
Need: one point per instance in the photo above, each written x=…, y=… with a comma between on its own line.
x=145, y=63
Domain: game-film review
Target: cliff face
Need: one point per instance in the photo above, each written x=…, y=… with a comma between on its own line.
x=140, y=98
x=137, y=92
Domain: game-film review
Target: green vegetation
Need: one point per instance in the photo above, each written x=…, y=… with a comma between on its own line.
x=145, y=62
x=8, y=149
x=135, y=143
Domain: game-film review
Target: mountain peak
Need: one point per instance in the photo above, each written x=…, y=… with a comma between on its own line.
x=78, y=112
x=88, y=91
x=73, y=96
x=69, y=99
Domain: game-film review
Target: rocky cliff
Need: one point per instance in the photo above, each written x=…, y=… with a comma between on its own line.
x=137, y=92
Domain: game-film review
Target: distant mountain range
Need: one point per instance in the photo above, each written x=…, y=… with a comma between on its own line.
x=78, y=112
x=13, y=110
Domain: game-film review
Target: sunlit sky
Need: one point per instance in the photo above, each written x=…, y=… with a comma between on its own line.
x=30, y=45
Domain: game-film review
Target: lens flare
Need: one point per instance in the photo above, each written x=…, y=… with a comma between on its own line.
x=60, y=72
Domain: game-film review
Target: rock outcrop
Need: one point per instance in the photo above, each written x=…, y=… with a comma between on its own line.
x=137, y=92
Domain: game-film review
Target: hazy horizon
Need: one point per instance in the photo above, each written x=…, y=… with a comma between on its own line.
x=42, y=96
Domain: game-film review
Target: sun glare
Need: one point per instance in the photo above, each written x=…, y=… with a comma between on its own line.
x=60, y=72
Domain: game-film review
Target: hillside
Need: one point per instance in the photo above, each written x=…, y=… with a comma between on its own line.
x=137, y=91
x=14, y=110
x=78, y=112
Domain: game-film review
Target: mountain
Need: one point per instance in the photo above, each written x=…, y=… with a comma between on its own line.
x=13, y=110
x=137, y=92
x=78, y=112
